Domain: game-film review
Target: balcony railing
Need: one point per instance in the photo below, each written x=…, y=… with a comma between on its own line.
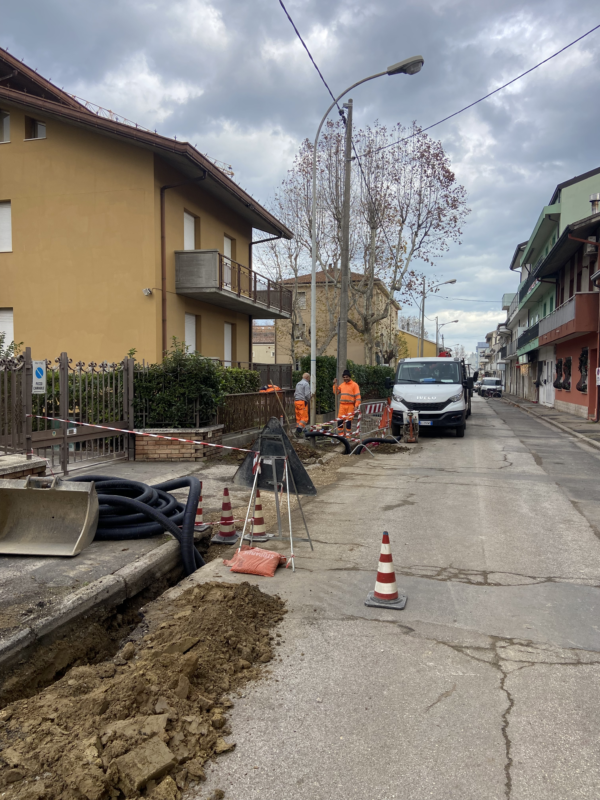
x=511, y=349
x=212, y=277
x=528, y=335
x=513, y=308
x=563, y=314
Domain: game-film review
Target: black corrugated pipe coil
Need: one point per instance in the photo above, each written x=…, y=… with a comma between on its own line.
x=135, y=510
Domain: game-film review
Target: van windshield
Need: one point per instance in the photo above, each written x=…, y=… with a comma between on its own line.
x=491, y=382
x=429, y=372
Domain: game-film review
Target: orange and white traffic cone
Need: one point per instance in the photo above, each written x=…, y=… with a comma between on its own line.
x=258, y=531
x=227, y=533
x=199, y=523
x=386, y=591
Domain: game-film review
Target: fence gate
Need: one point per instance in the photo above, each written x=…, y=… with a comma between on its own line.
x=97, y=394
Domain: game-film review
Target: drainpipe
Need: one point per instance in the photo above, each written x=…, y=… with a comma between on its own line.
x=163, y=252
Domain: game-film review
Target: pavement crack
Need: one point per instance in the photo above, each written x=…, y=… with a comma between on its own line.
x=443, y=696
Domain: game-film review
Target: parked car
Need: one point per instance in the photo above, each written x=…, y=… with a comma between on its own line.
x=477, y=386
x=491, y=387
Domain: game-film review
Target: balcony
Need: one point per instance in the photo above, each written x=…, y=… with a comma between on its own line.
x=511, y=350
x=529, y=338
x=211, y=277
x=576, y=317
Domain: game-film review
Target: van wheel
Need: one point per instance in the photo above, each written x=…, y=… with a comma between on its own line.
x=460, y=432
x=395, y=430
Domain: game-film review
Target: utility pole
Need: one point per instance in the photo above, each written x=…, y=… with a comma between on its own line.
x=422, y=346
x=345, y=254
x=437, y=330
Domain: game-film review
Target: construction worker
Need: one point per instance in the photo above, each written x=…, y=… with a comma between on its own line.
x=301, y=401
x=349, y=393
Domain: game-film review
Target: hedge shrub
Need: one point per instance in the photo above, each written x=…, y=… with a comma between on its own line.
x=238, y=381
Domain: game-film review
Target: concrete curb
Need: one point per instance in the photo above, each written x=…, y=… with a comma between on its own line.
x=108, y=592
x=553, y=422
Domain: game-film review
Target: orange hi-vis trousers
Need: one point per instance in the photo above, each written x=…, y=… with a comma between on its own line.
x=346, y=412
x=301, y=408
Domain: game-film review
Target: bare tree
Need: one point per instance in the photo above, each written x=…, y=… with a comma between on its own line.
x=411, y=324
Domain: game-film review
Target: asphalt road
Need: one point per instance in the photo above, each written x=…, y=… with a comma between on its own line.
x=486, y=686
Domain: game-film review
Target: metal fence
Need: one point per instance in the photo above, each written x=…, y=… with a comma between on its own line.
x=244, y=282
x=253, y=410
x=54, y=425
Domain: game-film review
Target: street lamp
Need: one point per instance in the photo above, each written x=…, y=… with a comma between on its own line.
x=409, y=66
x=425, y=293
x=437, y=331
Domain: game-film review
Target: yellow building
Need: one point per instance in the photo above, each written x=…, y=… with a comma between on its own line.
x=293, y=342
x=112, y=237
x=263, y=344
x=411, y=349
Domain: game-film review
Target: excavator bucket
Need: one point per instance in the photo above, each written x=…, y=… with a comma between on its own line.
x=46, y=517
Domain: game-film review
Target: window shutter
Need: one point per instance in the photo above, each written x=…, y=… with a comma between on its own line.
x=5, y=227
x=7, y=325
x=189, y=231
x=190, y=332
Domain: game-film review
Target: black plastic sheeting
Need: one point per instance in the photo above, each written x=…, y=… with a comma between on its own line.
x=135, y=510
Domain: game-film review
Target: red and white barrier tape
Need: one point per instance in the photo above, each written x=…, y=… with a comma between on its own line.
x=140, y=433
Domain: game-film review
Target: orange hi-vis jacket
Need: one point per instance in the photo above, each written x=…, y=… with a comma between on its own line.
x=349, y=394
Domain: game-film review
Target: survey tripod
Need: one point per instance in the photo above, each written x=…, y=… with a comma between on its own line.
x=273, y=472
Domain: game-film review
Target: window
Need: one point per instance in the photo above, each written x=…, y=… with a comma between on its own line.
x=5, y=227
x=299, y=331
x=4, y=126
x=301, y=299
x=190, y=332
x=544, y=311
x=228, y=344
x=229, y=247
x=7, y=326
x=551, y=304
x=34, y=129
x=578, y=281
x=189, y=231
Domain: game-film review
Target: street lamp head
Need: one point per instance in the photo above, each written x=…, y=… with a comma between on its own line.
x=410, y=66
x=453, y=280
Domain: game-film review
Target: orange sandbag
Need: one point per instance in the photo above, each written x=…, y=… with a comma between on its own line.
x=255, y=561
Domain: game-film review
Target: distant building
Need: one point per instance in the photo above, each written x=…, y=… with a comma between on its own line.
x=263, y=344
x=412, y=346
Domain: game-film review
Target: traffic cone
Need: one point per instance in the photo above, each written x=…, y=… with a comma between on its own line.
x=227, y=533
x=199, y=523
x=258, y=531
x=386, y=591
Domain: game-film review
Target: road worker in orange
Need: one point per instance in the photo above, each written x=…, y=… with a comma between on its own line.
x=301, y=401
x=349, y=393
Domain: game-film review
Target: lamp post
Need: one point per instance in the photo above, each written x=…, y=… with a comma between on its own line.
x=437, y=331
x=425, y=293
x=409, y=66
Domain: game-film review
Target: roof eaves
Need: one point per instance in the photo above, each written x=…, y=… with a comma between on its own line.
x=572, y=181
x=42, y=83
x=82, y=116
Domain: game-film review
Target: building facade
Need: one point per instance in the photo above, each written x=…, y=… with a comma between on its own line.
x=263, y=344
x=553, y=318
x=114, y=238
x=292, y=339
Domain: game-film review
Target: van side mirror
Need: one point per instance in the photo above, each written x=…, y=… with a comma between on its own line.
x=476, y=375
x=389, y=383
x=469, y=383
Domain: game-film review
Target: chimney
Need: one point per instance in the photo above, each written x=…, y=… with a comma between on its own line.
x=595, y=201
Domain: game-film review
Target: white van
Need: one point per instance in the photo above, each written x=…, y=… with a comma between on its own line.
x=437, y=388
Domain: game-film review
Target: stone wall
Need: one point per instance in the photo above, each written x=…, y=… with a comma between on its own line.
x=149, y=449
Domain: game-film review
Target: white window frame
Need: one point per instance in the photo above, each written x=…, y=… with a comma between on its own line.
x=190, y=332
x=189, y=231
x=5, y=226
x=227, y=344
x=7, y=325
x=4, y=126
x=301, y=299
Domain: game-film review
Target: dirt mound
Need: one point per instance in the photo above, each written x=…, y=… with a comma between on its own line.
x=387, y=449
x=144, y=723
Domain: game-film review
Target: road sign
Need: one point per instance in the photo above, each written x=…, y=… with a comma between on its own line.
x=39, y=377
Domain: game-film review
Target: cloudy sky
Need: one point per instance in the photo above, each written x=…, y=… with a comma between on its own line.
x=230, y=77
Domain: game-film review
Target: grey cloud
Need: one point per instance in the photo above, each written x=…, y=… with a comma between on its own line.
x=531, y=139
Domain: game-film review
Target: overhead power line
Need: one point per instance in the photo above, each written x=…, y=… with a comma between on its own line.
x=485, y=97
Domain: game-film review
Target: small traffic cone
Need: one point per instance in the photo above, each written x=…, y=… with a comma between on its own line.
x=227, y=532
x=258, y=530
x=199, y=523
x=386, y=591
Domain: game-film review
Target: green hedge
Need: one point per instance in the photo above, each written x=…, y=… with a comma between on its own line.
x=371, y=380
x=186, y=389
x=238, y=381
